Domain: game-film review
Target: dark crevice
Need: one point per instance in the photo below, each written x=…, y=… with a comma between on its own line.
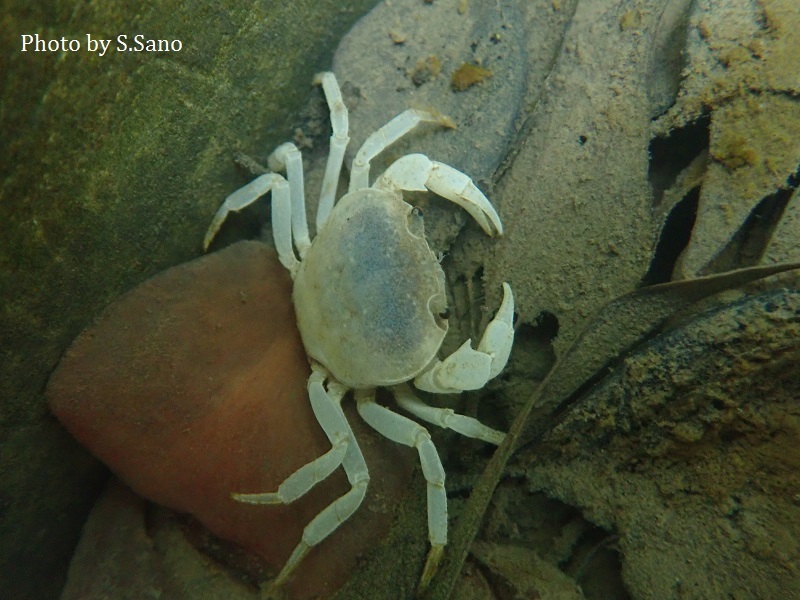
x=597, y=566
x=747, y=247
x=547, y=325
x=673, y=240
x=672, y=154
x=533, y=353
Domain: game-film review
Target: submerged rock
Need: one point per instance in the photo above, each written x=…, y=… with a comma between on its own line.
x=193, y=386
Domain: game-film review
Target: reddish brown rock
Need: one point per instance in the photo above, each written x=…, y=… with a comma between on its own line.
x=193, y=386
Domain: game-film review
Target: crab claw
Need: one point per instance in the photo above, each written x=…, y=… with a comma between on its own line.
x=416, y=172
x=468, y=368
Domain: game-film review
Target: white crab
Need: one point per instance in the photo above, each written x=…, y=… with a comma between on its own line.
x=371, y=308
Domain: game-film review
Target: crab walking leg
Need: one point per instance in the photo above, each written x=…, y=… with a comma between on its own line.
x=385, y=137
x=331, y=419
x=470, y=369
x=445, y=417
x=339, y=141
x=403, y=430
x=302, y=480
x=342, y=508
x=281, y=214
x=288, y=157
x=416, y=172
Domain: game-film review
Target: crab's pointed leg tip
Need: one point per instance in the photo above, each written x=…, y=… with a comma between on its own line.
x=431, y=567
x=273, y=591
x=447, y=122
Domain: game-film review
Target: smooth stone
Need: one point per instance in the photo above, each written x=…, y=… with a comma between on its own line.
x=193, y=386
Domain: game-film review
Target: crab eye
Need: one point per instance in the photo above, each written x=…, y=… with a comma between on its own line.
x=416, y=225
x=445, y=314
